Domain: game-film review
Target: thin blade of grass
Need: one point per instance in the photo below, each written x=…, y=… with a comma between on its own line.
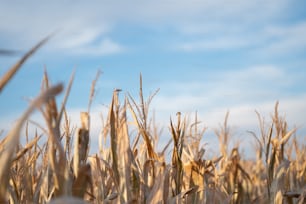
x=59, y=117
x=26, y=148
x=12, y=71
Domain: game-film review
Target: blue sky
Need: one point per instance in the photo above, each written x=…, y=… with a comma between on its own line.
x=205, y=56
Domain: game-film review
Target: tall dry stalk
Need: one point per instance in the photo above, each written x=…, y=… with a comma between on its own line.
x=178, y=135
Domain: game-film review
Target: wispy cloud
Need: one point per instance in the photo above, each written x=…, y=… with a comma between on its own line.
x=268, y=39
x=78, y=30
x=93, y=41
x=284, y=39
x=212, y=44
x=84, y=23
x=76, y=39
x=240, y=91
x=104, y=47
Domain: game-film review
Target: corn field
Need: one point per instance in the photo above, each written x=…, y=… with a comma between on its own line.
x=130, y=169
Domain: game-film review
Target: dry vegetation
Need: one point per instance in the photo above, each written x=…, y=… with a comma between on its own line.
x=131, y=170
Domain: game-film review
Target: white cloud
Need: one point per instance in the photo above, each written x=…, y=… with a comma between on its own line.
x=104, y=47
x=214, y=44
x=284, y=39
x=84, y=22
x=241, y=92
x=77, y=30
x=231, y=86
x=78, y=38
x=91, y=41
x=242, y=116
x=260, y=71
x=265, y=40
